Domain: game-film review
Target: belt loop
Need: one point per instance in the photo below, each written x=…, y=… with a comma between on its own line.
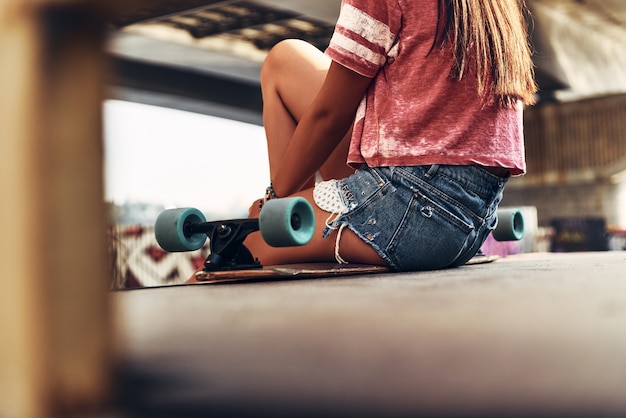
x=432, y=171
x=377, y=175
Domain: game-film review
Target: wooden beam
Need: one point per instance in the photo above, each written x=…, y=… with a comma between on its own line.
x=54, y=315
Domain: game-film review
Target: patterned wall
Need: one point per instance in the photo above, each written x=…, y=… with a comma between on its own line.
x=138, y=261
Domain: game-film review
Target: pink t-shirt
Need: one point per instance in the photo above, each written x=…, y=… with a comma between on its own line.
x=414, y=112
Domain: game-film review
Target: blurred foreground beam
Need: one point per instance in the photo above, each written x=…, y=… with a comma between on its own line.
x=54, y=319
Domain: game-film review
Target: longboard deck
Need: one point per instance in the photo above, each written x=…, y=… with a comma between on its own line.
x=288, y=271
x=481, y=259
x=303, y=270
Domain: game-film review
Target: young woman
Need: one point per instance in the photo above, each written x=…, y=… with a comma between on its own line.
x=423, y=101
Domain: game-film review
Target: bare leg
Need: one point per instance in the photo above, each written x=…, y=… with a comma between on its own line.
x=352, y=248
x=291, y=77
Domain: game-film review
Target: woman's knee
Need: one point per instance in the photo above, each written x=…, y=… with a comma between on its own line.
x=292, y=56
x=279, y=57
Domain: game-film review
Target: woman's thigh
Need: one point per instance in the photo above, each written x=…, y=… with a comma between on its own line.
x=321, y=248
x=296, y=70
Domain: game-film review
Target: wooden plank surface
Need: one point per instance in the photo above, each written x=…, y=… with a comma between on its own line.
x=539, y=335
x=54, y=320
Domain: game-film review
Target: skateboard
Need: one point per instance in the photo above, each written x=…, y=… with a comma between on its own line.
x=282, y=223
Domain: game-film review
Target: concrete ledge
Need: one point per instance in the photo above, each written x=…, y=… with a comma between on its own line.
x=529, y=335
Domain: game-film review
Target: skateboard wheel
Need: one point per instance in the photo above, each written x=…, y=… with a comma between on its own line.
x=287, y=222
x=510, y=225
x=169, y=230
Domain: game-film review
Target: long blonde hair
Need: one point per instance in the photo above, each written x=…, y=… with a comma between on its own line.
x=492, y=36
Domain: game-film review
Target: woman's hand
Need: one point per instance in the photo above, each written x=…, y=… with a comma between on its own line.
x=255, y=209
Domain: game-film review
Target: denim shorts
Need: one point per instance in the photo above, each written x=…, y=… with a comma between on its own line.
x=420, y=217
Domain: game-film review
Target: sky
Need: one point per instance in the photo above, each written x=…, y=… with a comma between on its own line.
x=164, y=156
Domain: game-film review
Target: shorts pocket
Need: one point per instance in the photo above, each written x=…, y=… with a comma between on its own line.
x=429, y=236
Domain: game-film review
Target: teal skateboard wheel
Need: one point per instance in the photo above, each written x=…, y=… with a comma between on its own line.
x=287, y=222
x=169, y=230
x=510, y=225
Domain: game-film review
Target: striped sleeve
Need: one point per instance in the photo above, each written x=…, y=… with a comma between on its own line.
x=364, y=35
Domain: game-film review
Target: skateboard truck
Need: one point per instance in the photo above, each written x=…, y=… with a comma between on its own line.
x=227, y=251
x=282, y=223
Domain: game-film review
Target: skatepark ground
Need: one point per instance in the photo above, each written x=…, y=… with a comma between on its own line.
x=531, y=335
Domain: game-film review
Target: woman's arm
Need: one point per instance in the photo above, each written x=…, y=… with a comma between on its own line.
x=321, y=128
